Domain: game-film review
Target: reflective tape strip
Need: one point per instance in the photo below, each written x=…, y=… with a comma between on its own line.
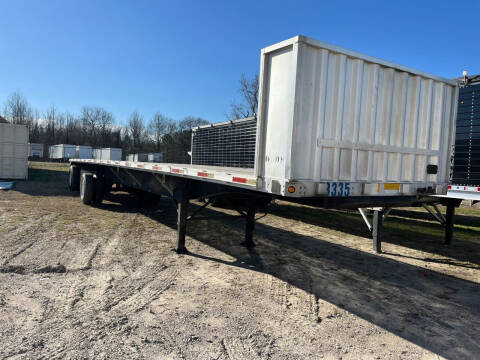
x=389, y=187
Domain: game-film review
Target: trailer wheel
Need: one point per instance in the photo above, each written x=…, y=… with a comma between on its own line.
x=99, y=189
x=74, y=178
x=87, y=187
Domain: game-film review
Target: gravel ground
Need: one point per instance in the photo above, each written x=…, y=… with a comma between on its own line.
x=101, y=282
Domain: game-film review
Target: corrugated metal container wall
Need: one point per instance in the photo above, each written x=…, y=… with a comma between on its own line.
x=329, y=114
x=13, y=151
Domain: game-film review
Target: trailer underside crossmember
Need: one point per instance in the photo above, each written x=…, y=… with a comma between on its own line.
x=182, y=190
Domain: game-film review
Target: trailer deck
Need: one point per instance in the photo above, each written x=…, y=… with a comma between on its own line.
x=241, y=177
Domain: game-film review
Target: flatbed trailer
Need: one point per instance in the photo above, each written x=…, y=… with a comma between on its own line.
x=335, y=129
x=186, y=182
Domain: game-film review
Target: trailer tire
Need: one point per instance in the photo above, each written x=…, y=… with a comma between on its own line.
x=74, y=178
x=87, y=187
x=99, y=189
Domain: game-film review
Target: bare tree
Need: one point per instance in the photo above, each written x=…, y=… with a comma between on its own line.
x=136, y=129
x=50, y=116
x=249, y=104
x=17, y=110
x=90, y=124
x=105, y=122
x=71, y=128
x=190, y=122
x=158, y=126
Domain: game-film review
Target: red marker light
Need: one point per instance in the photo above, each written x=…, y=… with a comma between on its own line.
x=239, y=180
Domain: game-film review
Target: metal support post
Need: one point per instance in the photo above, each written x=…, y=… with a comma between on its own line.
x=182, y=208
x=449, y=221
x=377, y=230
x=250, y=223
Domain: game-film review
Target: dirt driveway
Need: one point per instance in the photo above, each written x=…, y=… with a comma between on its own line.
x=82, y=282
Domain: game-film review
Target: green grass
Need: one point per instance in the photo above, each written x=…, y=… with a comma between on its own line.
x=47, y=172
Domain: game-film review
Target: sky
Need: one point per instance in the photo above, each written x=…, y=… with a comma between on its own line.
x=185, y=58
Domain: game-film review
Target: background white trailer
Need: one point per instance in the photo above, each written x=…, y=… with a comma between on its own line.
x=111, y=154
x=62, y=151
x=155, y=157
x=13, y=151
x=83, y=152
x=107, y=154
x=35, y=150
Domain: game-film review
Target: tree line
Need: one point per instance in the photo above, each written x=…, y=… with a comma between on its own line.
x=97, y=127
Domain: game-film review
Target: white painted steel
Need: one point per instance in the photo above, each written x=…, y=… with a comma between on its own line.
x=13, y=151
x=239, y=177
x=62, y=151
x=35, y=150
x=83, y=152
x=464, y=192
x=328, y=114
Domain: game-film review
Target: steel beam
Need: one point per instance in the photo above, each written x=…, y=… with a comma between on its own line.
x=250, y=223
x=182, y=208
x=449, y=222
x=377, y=230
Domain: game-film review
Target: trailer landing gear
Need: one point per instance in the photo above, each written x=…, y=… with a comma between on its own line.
x=183, y=218
x=376, y=227
x=249, y=223
x=182, y=208
x=379, y=215
x=451, y=204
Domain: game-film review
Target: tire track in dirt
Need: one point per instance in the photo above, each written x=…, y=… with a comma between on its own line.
x=255, y=345
x=137, y=299
x=27, y=230
x=292, y=298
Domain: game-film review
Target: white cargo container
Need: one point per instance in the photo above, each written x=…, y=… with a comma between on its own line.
x=35, y=150
x=13, y=151
x=83, y=152
x=62, y=151
x=97, y=154
x=111, y=154
x=155, y=157
x=107, y=154
x=337, y=123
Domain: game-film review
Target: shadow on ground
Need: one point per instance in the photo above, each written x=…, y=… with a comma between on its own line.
x=437, y=312
x=412, y=229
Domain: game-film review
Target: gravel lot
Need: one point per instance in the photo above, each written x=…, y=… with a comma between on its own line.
x=103, y=282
